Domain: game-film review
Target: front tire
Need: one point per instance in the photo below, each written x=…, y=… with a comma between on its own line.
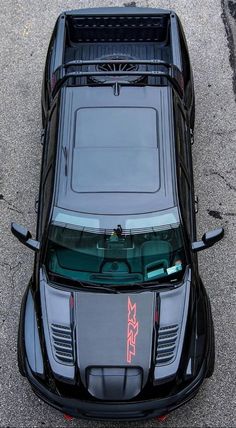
x=192, y=115
x=211, y=362
x=20, y=337
x=19, y=356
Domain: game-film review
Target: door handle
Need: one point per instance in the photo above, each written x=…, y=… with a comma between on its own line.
x=36, y=204
x=42, y=136
x=196, y=204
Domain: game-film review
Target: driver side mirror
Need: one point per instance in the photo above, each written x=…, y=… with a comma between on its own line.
x=208, y=239
x=24, y=236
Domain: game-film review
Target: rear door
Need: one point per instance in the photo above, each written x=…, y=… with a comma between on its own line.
x=184, y=169
x=47, y=170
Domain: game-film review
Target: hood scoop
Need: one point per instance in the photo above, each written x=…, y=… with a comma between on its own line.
x=108, y=383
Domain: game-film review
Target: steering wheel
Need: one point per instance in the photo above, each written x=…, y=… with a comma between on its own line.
x=113, y=266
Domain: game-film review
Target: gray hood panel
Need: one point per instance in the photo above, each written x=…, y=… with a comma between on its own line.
x=115, y=330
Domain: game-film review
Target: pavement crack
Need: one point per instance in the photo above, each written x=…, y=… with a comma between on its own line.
x=10, y=266
x=231, y=170
x=219, y=215
x=215, y=214
x=11, y=206
x=229, y=8
x=15, y=270
x=230, y=214
x=225, y=131
x=130, y=4
x=228, y=184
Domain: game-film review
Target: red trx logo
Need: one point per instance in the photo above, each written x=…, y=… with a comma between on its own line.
x=132, y=331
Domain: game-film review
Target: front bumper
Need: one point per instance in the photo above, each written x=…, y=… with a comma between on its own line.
x=139, y=410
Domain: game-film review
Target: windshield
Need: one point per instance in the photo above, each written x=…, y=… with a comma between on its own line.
x=116, y=257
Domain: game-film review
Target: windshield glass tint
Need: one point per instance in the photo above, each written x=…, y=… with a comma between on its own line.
x=116, y=258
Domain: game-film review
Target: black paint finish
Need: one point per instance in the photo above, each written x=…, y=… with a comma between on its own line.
x=108, y=352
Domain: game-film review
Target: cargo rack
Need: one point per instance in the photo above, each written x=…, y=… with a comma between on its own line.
x=116, y=47
x=61, y=77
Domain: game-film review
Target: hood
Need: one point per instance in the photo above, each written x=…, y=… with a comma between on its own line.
x=112, y=344
x=108, y=337
x=114, y=337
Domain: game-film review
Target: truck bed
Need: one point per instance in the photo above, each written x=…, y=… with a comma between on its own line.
x=125, y=36
x=140, y=50
x=138, y=37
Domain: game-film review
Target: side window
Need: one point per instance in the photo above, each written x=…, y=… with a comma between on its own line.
x=185, y=198
x=181, y=136
x=47, y=174
x=47, y=193
x=51, y=136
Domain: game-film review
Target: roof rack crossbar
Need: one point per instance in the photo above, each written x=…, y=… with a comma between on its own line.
x=58, y=83
x=80, y=62
x=173, y=74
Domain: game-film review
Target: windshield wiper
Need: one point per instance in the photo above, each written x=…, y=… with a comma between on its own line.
x=157, y=286
x=93, y=285
x=82, y=284
x=136, y=286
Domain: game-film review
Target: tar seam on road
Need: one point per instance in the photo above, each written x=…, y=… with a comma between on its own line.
x=229, y=8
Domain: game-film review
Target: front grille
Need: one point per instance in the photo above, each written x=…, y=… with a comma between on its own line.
x=166, y=345
x=62, y=339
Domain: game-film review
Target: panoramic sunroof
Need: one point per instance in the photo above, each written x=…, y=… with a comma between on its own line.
x=115, y=150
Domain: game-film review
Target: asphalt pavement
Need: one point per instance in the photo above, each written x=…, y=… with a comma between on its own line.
x=211, y=33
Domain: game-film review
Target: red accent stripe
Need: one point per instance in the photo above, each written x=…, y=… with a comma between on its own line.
x=132, y=331
x=68, y=417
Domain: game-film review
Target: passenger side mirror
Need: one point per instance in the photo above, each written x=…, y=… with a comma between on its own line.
x=24, y=236
x=208, y=239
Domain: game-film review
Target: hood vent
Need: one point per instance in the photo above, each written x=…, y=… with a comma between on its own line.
x=166, y=345
x=62, y=340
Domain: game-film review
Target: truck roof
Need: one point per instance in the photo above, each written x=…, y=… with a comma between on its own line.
x=115, y=151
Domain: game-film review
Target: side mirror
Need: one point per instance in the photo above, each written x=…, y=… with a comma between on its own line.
x=24, y=236
x=208, y=239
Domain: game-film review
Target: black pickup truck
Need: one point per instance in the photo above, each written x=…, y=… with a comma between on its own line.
x=115, y=322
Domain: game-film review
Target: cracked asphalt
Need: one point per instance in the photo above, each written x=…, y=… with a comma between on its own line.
x=211, y=33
